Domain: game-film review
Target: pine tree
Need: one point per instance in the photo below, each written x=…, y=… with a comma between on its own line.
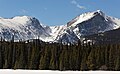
x=107, y=55
x=45, y=59
x=1, y=56
x=91, y=60
x=21, y=60
x=53, y=59
x=111, y=58
x=83, y=63
x=117, y=65
x=18, y=53
x=29, y=54
x=61, y=61
x=117, y=62
x=13, y=55
x=35, y=56
x=10, y=53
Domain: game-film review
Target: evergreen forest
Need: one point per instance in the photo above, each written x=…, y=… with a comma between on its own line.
x=38, y=55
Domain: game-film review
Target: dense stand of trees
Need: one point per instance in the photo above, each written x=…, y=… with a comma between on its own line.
x=38, y=55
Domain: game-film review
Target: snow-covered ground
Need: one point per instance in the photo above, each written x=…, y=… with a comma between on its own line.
x=55, y=72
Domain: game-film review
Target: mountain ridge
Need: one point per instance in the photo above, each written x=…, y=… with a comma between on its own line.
x=27, y=27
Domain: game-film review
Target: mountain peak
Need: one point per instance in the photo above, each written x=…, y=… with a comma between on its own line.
x=18, y=21
x=84, y=17
x=22, y=17
x=99, y=12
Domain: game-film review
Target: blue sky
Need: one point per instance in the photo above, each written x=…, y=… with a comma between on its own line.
x=56, y=12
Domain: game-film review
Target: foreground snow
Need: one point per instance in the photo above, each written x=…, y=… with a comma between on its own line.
x=3, y=71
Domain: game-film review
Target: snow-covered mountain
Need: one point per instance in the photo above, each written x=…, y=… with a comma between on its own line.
x=21, y=27
x=88, y=24
x=26, y=27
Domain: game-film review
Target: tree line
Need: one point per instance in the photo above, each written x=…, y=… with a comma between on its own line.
x=38, y=55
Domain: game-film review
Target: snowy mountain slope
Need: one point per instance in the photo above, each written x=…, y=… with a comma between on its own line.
x=22, y=27
x=88, y=24
x=113, y=22
x=83, y=17
x=54, y=32
x=26, y=27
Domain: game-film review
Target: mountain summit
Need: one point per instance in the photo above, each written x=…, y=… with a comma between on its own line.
x=21, y=27
x=26, y=27
x=84, y=17
x=87, y=24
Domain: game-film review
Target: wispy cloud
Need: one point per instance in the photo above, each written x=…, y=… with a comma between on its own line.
x=81, y=7
x=74, y=2
x=23, y=11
